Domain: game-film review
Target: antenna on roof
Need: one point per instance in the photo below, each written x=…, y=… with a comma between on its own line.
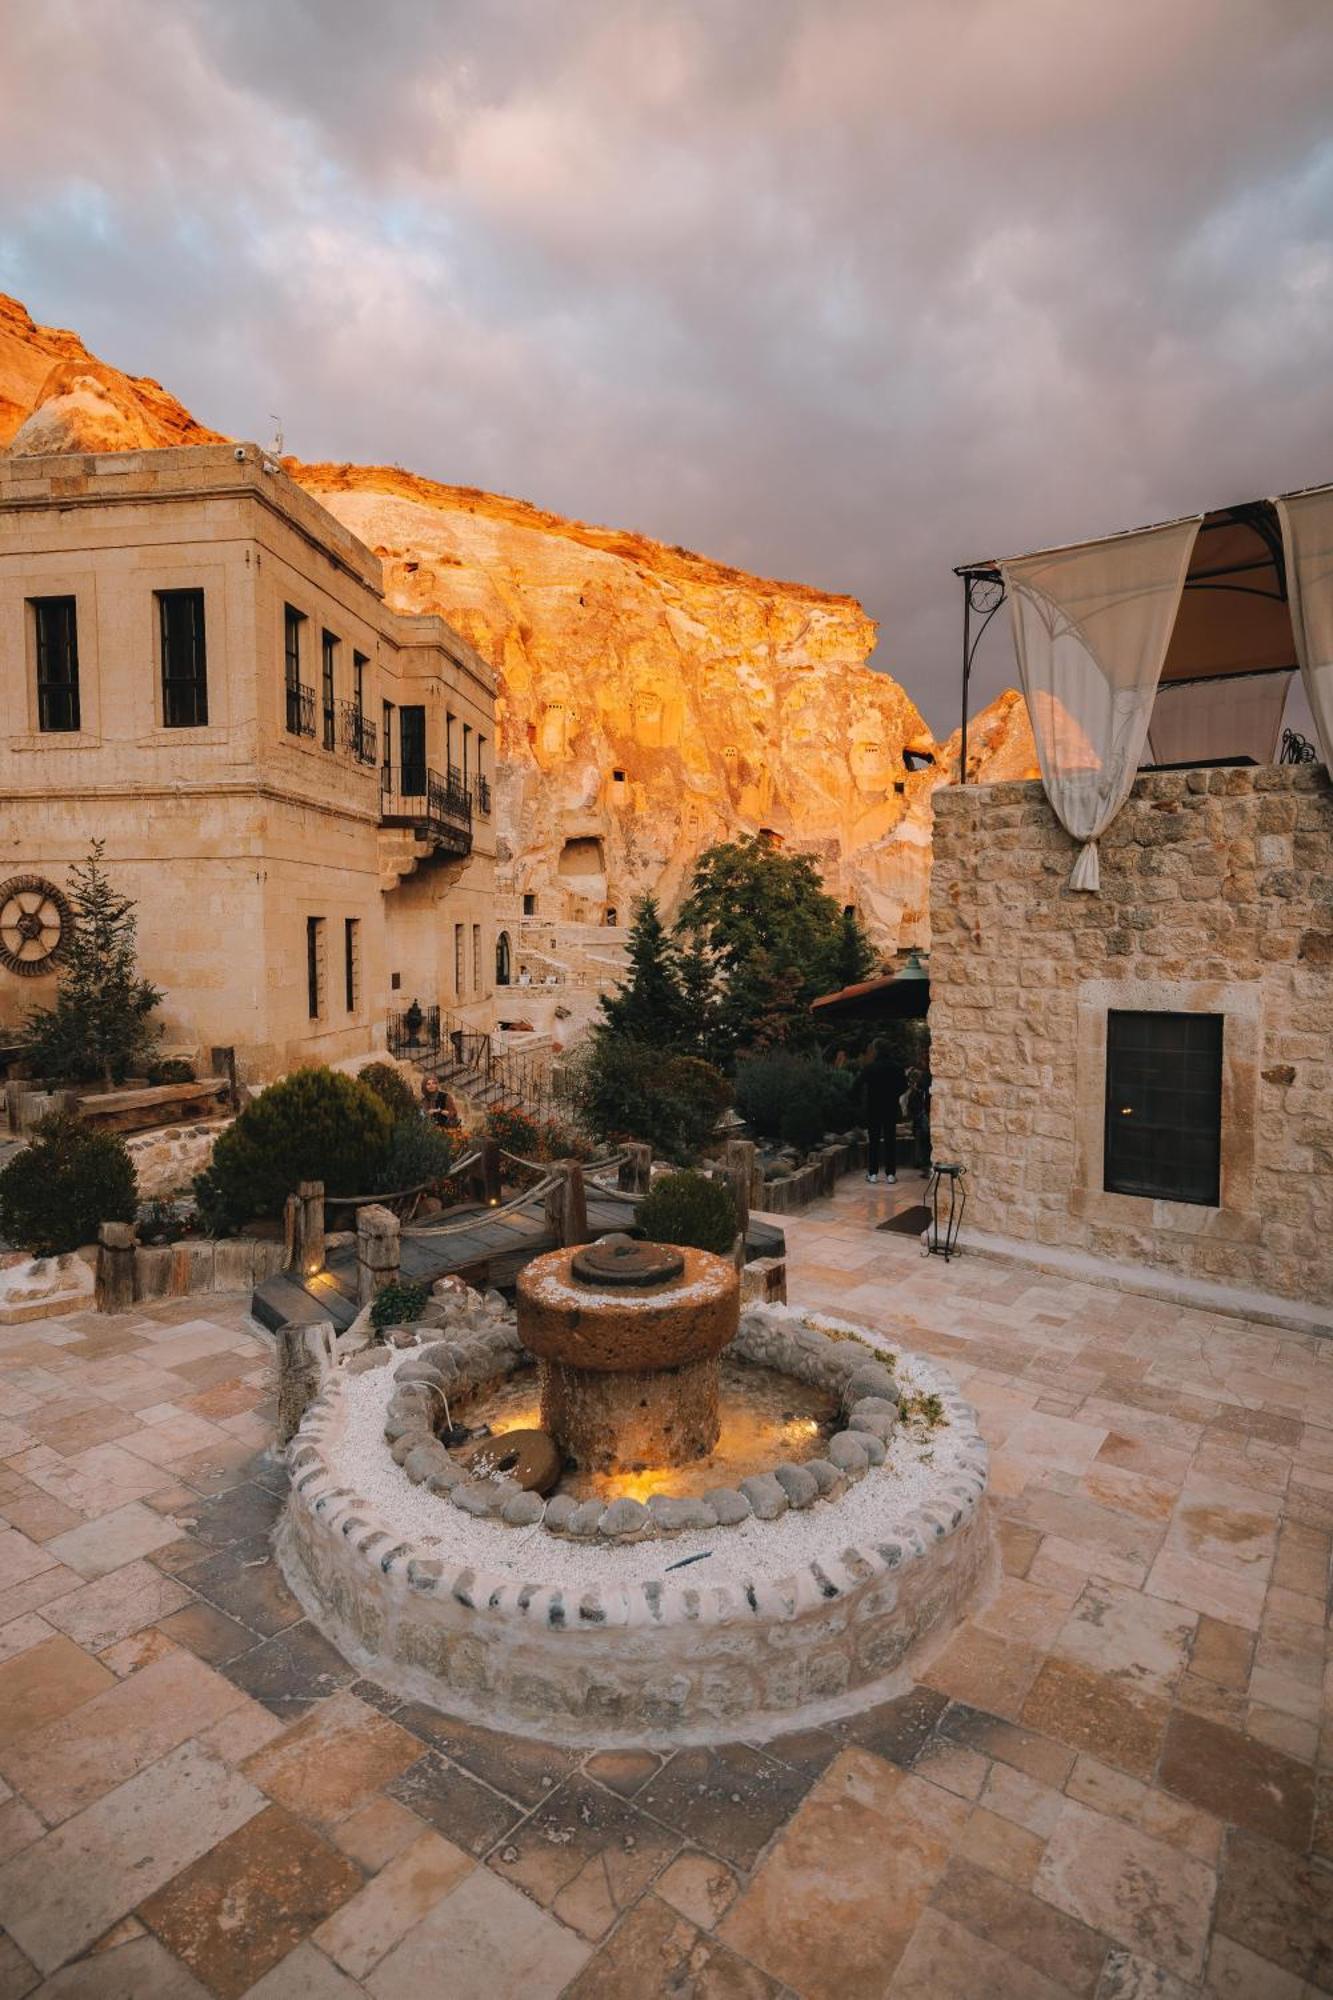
x=277, y=445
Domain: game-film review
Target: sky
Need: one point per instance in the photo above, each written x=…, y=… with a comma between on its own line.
x=847, y=291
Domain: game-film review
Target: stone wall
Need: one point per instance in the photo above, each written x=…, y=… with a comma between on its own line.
x=1216, y=896
x=167, y=1159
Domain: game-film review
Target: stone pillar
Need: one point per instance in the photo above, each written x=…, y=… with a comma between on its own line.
x=567, y=1205
x=303, y=1225
x=377, y=1250
x=738, y=1156
x=636, y=1171
x=113, y=1288
x=298, y=1378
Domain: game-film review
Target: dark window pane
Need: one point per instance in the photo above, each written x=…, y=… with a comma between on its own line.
x=328, y=690
x=184, y=664
x=57, y=628
x=1164, y=1106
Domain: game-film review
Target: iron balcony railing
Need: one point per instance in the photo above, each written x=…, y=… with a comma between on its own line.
x=483, y=796
x=300, y=710
x=358, y=736
x=414, y=795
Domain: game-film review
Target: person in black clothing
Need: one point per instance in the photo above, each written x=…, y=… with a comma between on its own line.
x=881, y=1084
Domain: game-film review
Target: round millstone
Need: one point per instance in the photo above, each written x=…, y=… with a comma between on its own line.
x=620, y=1260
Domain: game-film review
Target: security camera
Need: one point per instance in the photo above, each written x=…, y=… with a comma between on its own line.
x=239, y=453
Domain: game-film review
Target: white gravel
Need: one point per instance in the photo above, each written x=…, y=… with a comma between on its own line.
x=918, y=1465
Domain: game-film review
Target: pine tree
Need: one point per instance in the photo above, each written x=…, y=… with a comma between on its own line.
x=649, y=1007
x=99, y=1027
x=856, y=960
x=699, y=1001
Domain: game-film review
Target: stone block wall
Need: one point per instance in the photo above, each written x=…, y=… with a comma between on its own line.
x=1216, y=896
x=167, y=1159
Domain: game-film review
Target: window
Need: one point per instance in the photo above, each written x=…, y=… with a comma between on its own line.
x=1164, y=1106
x=314, y=966
x=449, y=726
x=57, y=630
x=180, y=615
x=612, y=916
x=476, y=958
x=386, y=747
x=617, y=777
x=458, y=960
x=327, y=690
x=467, y=745
x=529, y=905
x=412, y=749
x=352, y=962
x=300, y=699
x=502, y=959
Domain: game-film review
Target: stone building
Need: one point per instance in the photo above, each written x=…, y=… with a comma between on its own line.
x=292, y=781
x=1133, y=1061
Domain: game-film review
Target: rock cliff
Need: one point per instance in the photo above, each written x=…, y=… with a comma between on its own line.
x=652, y=701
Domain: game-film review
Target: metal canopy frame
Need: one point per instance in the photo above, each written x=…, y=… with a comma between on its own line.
x=984, y=592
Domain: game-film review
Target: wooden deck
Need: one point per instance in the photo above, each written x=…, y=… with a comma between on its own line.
x=491, y=1251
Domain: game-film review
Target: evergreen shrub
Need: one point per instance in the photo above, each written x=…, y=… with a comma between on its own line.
x=315, y=1125
x=689, y=1210
x=392, y=1089
x=65, y=1182
x=793, y=1100
x=634, y=1090
x=400, y=1303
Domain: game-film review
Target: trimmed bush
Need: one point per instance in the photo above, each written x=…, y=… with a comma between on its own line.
x=399, y=1304
x=794, y=1100
x=393, y=1090
x=419, y=1154
x=689, y=1210
x=314, y=1125
x=59, y=1188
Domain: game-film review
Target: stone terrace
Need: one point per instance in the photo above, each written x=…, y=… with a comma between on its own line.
x=1111, y=1782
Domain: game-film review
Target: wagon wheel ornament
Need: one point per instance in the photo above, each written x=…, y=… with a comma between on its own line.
x=35, y=925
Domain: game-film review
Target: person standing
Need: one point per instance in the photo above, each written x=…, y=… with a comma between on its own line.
x=881, y=1083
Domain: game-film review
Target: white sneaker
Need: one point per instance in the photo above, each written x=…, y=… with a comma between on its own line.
x=890, y=1180
x=872, y=1178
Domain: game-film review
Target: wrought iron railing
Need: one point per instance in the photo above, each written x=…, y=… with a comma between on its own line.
x=1297, y=749
x=414, y=795
x=300, y=710
x=447, y=1048
x=358, y=735
x=482, y=793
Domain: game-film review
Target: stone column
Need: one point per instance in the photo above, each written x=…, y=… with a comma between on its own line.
x=636, y=1171
x=303, y=1223
x=377, y=1250
x=113, y=1287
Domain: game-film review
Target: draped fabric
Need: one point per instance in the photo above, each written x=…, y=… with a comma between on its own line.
x=1207, y=722
x=1307, y=537
x=1091, y=627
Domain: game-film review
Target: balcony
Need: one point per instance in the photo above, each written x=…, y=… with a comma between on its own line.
x=356, y=735
x=300, y=710
x=482, y=795
x=435, y=808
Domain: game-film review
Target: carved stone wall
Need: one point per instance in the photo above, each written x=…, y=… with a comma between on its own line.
x=1217, y=896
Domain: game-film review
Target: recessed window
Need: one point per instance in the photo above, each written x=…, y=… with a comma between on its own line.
x=618, y=777
x=502, y=959
x=352, y=963
x=529, y=905
x=55, y=621
x=1164, y=1106
x=314, y=966
x=328, y=689
x=300, y=699
x=458, y=960
x=180, y=615
x=395, y=982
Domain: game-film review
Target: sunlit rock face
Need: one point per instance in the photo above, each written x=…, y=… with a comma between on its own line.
x=652, y=701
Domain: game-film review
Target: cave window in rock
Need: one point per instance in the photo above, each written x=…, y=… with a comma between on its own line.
x=612, y=916
x=917, y=760
x=529, y=904
x=582, y=856
x=503, y=960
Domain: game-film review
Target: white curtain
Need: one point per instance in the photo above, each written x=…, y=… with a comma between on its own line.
x=1307, y=537
x=1201, y=722
x=1091, y=627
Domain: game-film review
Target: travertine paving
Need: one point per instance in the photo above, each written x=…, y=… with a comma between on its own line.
x=1112, y=1782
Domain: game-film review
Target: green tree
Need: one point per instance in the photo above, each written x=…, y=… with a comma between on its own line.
x=100, y=1026
x=856, y=958
x=777, y=937
x=649, y=1007
x=699, y=1001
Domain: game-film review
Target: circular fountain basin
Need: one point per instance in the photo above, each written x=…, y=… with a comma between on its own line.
x=615, y=1623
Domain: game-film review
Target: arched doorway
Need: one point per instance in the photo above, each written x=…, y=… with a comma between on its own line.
x=502, y=960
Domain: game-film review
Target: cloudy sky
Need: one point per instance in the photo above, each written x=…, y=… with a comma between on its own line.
x=843, y=290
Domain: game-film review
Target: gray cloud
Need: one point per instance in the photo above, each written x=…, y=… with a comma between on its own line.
x=845, y=290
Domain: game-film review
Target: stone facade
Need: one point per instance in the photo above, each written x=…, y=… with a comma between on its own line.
x=234, y=834
x=1216, y=897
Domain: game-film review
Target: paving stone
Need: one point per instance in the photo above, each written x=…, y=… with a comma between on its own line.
x=44, y=1682
x=586, y=1855
x=61, y=1894
x=288, y=1672
x=492, y=1940
x=1239, y=1780
x=208, y=1633
x=407, y=1889
x=899, y=1729
x=1137, y=1891
x=116, y=1605
x=305, y=1974
x=253, y=1593
x=333, y=1761
x=141, y=1969
x=1278, y=1908
x=1023, y=1926
x=699, y=1887
x=1099, y=1713
x=453, y=1803
x=519, y=1766
x=18, y=1975
x=657, y=1950
x=1026, y=1749
x=113, y=1540
x=623, y=1771
x=945, y=1961
x=376, y=1832
x=240, y=1908
x=1003, y=1847
x=729, y=1800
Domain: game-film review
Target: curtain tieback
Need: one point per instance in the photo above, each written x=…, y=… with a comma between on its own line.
x=1087, y=869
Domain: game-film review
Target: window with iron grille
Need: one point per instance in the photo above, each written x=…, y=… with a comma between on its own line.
x=314, y=965
x=180, y=617
x=1164, y=1106
x=352, y=962
x=328, y=690
x=57, y=628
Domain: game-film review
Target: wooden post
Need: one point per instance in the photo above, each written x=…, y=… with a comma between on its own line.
x=636, y=1171
x=223, y=1062
x=113, y=1285
x=298, y=1378
x=377, y=1250
x=567, y=1205
x=303, y=1229
x=738, y=1166
x=490, y=1172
